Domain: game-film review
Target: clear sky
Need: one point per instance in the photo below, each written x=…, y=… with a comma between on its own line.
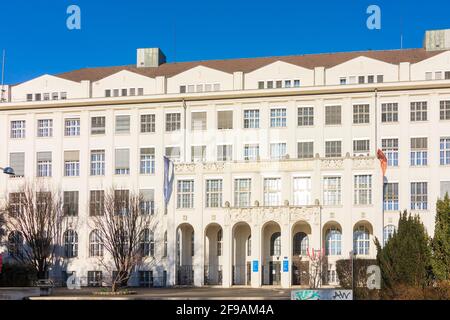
x=37, y=41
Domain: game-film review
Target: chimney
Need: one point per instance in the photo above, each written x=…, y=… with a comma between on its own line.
x=437, y=40
x=150, y=57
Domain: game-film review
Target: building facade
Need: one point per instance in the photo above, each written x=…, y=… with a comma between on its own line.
x=275, y=158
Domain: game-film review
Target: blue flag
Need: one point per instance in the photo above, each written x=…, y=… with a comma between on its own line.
x=168, y=179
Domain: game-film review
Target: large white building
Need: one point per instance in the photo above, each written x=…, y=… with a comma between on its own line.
x=274, y=156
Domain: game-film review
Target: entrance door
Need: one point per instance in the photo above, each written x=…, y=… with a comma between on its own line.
x=274, y=273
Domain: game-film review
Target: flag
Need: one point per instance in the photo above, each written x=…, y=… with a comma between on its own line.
x=168, y=179
x=383, y=161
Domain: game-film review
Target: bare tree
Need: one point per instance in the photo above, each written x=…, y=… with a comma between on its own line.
x=318, y=268
x=33, y=216
x=122, y=227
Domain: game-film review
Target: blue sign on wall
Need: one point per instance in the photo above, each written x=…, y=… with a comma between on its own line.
x=255, y=266
x=285, y=266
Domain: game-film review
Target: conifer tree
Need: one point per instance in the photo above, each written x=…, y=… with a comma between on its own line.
x=441, y=240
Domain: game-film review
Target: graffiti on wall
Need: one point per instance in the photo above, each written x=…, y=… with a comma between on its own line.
x=322, y=294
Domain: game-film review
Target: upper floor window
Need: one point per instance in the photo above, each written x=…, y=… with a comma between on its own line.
x=278, y=150
x=148, y=123
x=361, y=113
x=45, y=128
x=278, y=117
x=97, y=162
x=251, y=119
x=419, y=151
x=95, y=244
x=17, y=161
x=390, y=149
x=72, y=127
x=251, y=152
x=361, y=147
x=332, y=115
x=70, y=244
x=389, y=112
x=173, y=122
x=388, y=232
x=98, y=125
x=147, y=161
x=225, y=119
x=444, y=112
x=305, y=116
x=419, y=196
x=225, y=152
x=123, y=124
x=185, y=194
x=214, y=193
x=198, y=121
x=63, y=95
x=305, y=150
x=122, y=162
x=363, y=190
x=272, y=191
x=332, y=191
x=302, y=191
x=173, y=153
x=96, y=202
x=71, y=163
x=391, y=197
x=18, y=129
x=242, y=192
x=444, y=154
x=44, y=164
x=333, y=149
x=198, y=153
x=419, y=111
x=147, y=201
x=70, y=207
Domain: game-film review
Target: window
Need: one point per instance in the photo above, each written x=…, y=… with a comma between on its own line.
x=70, y=207
x=72, y=127
x=361, y=147
x=16, y=203
x=123, y=124
x=419, y=111
x=447, y=75
x=444, y=112
x=225, y=152
x=361, y=241
x=419, y=153
x=279, y=84
x=251, y=152
x=122, y=161
x=17, y=161
x=370, y=79
x=29, y=97
x=225, y=120
x=302, y=191
x=146, y=279
x=269, y=84
x=46, y=96
x=165, y=244
x=18, y=129
x=343, y=81
x=15, y=244
x=333, y=149
x=332, y=191
x=198, y=153
x=389, y=112
x=301, y=244
x=198, y=121
x=55, y=96
x=388, y=232
x=94, y=278
x=116, y=92
x=249, y=245
x=278, y=150
x=445, y=188
x=185, y=194
x=444, y=154
x=287, y=83
x=333, y=242
x=296, y=83
x=96, y=202
x=428, y=75
x=124, y=92
x=182, y=89
x=363, y=189
x=272, y=191
x=361, y=113
x=97, y=162
x=45, y=128
x=380, y=78
x=260, y=84
x=214, y=193
x=219, y=242
x=107, y=93
x=147, y=201
x=132, y=91
x=63, y=95
x=95, y=244
x=275, y=244
x=98, y=125
x=278, y=118
x=305, y=150
x=419, y=196
x=438, y=75
x=121, y=202
x=70, y=244
x=147, y=161
x=44, y=164
x=242, y=192
x=361, y=79
x=305, y=116
x=173, y=153
x=251, y=119
x=173, y=122
x=147, y=243
x=147, y=123
x=391, y=197
x=332, y=115
x=71, y=163
x=390, y=149
x=37, y=97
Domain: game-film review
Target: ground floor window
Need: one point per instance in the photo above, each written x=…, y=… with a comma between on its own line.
x=146, y=279
x=95, y=278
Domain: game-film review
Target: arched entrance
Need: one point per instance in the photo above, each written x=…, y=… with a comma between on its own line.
x=271, y=254
x=241, y=254
x=213, y=254
x=185, y=255
x=301, y=237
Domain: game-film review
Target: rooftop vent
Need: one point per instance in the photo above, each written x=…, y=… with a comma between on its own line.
x=150, y=57
x=437, y=40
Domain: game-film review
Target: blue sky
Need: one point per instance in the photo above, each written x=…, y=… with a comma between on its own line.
x=37, y=41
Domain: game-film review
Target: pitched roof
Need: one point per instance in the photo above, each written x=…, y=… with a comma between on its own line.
x=246, y=65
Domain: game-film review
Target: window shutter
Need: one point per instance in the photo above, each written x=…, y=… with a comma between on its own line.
x=148, y=151
x=173, y=152
x=122, y=158
x=44, y=156
x=148, y=194
x=17, y=162
x=198, y=121
x=225, y=119
x=71, y=155
x=122, y=124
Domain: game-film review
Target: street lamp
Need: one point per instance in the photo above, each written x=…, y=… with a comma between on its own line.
x=8, y=171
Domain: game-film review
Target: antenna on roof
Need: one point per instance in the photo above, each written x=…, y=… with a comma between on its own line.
x=2, y=95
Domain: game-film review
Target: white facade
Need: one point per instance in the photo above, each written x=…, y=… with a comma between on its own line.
x=330, y=191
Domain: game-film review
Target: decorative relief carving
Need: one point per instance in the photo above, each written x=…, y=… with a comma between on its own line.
x=184, y=167
x=278, y=214
x=363, y=163
x=331, y=164
x=213, y=166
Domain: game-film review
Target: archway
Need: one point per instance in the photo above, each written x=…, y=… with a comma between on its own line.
x=185, y=254
x=241, y=254
x=271, y=254
x=213, y=254
x=301, y=237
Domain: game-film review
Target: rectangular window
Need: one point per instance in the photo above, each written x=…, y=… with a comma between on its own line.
x=55, y=96
x=71, y=163
x=146, y=279
x=124, y=92
x=242, y=192
x=16, y=202
x=182, y=89
x=370, y=79
x=305, y=116
x=343, y=81
x=45, y=128
x=302, y=191
x=185, y=194
x=132, y=91
x=390, y=150
x=214, y=193
x=225, y=152
x=251, y=152
x=333, y=149
x=98, y=125
x=173, y=122
x=361, y=147
x=37, y=97
x=147, y=161
x=447, y=75
x=173, y=153
x=269, y=84
x=96, y=202
x=123, y=124
x=279, y=84
x=251, y=119
x=272, y=191
x=29, y=97
x=419, y=151
x=361, y=113
x=198, y=153
x=97, y=162
x=363, y=190
x=444, y=111
x=419, y=196
x=419, y=111
x=444, y=154
x=95, y=279
x=198, y=121
x=225, y=120
x=445, y=189
x=305, y=150
x=361, y=79
x=122, y=161
x=18, y=129
x=332, y=191
x=260, y=84
x=380, y=78
x=72, y=127
x=391, y=197
x=44, y=164
x=140, y=91
x=147, y=201
x=147, y=123
x=70, y=207
x=63, y=95
x=17, y=162
x=278, y=118
x=332, y=115
x=107, y=93
x=278, y=150
x=389, y=112
x=121, y=201
x=296, y=83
